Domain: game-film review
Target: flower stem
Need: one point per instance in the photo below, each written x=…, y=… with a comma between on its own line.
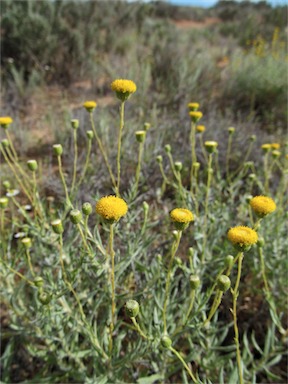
x=11, y=145
x=75, y=160
x=139, y=330
x=193, y=151
x=138, y=169
x=209, y=178
x=121, y=126
x=215, y=305
x=175, y=246
x=190, y=373
x=29, y=262
x=68, y=201
x=112, y=280
x=86, y=163
x=192, y=300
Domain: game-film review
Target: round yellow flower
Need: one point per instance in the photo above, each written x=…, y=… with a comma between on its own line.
x=275, y=145
x=242, y=237
x=123, y=88
x=181, y=217
x=195, y=115
x=193, y=106
x=111, y=208
x=5, y=121
x=90, y=105
x=262, y=205
x=211, y=146
x=200, y=128
x=266, y=147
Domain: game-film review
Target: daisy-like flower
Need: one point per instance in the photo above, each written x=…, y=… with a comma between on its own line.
x=5, y=121
x=211, y=146
x=111, y=208
x=181, y=218
x=195, y=116
x=193, y=106
x=123, y=88
x=242, y=237
x=262, y=205
x=275, y=145
x=200, y=128
x=90, y=105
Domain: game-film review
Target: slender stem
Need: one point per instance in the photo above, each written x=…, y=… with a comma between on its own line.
x=138, y=169
x=203, y=148
x=102, y=150
x=190, y=373
x=119, y=145
x=86, y=163
x=68, y=201
x=84, y=241
x=266, y=172
x=11, y=145
x=26, y=178
x=192, y=300
x=228, y=156
x=112, y=280
x=175, y=246
x=75, y=160
x=235, y=293
x=193, y=151
x=209, y=178
x=29, y=262
x=215, y=305
x=251, y=144
x=2, y=221
x=17, y=273
x=139, y=330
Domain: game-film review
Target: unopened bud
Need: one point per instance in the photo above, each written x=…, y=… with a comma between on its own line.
x=38, y=281
x=57, y=226
x=145, y=206
x=32, y=165
x=229, y=261
x=5, y=143
x=6, y=184
x=178, y=166
x=231, y=130
x=211, y=146
x=167, y=148
x=276, y=154
x=3, y=202
x=140, y=136
x=194, y=282
x=26, y=242
x=196, y=166
x=90, y=135
x=166, y=342
x=132, y=308
x=57, y=149
x=87, y=209
x=252, y=176
x=159, y=159
x=75, y=216
x=223, y=283
x=252, y=138
x=147, y=126
x=261, y=242
x=75, y=123
x=44, y=297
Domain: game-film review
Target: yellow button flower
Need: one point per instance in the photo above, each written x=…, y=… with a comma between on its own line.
x=5, y=121
x=200, y=128
x=211, y=146
x=181, y=218
x=111, y=208
x=195, y=116
x=262, y=205
x=193, y=106
x=242, y=237
x=90, y=105
x=266, y=147
x=275, y=145
x=123, y=88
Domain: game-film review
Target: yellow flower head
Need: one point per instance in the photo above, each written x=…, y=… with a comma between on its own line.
x=193, y=106
x=266, y=147
x=111, y=208
x=242, y=237
x=90, y=105
x=275, y=145
x=5, y=121
x=211, y=146
x=262, y=205
x=195, y=116
x=181, y=217
x=200, y=128
x=123, y=88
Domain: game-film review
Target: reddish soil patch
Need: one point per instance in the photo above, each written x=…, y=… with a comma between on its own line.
x=192, y=24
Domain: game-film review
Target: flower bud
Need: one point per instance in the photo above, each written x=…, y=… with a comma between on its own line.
x=166, y=342
x=159, y=258
x=261, y=242
x=159, y=159
x=5, y=143
x=145, y=206
x=90, y=135
x=132, y=308
x=57, y=226
x=196, y=166
x=276, y=154
x=178, y=261
x=38, y=282
x=231, y=130
x=167, y=148
x=75, y=216
x=175, y=234
x=178, y=166
x=75, y=123
x=147, y=126
x=44, y=297
x=229, y=261
x=252, y=176
x=195, y=116
x=26, y=242
x=58, y=150
x=140, y=136
x=211, y=146
x=6, y=184
x=248, y=198
x=32, y=165
x=252, y=137
x=223, y=283
x=191, y=251
x=194, y=282
x=86, y=209
x=3, y=202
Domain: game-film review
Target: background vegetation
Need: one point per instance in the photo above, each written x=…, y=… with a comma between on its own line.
x=232, y=59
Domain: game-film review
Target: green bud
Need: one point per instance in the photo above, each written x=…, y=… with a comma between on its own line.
x=38, y=282
x=229, y=261
x=75, y=123
x=167, y=148
x=211, y=146
x=166, y=342
x=175, y=233
x=159, y=258
x=90, y=135
x=231, y=130
x=6, y=184
x=194, y=282
x=159, y=159
x=58, y=150
x=3, y=202
x=75, y=216
x=140, y=136
x=261, y=242
x=32, y=165
x=26, y=242
x=248, y=198
x=132, y=308
x=57, y=226
x=191, y=251
x=87, y=209
x=147, y=126
x=178, y=166
x=44, y=297
x=5, y=143
x=145, y=206
x=223, y=283
x=252, y=137
x=196, y=166
x=178, y=261
x=252, y=176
